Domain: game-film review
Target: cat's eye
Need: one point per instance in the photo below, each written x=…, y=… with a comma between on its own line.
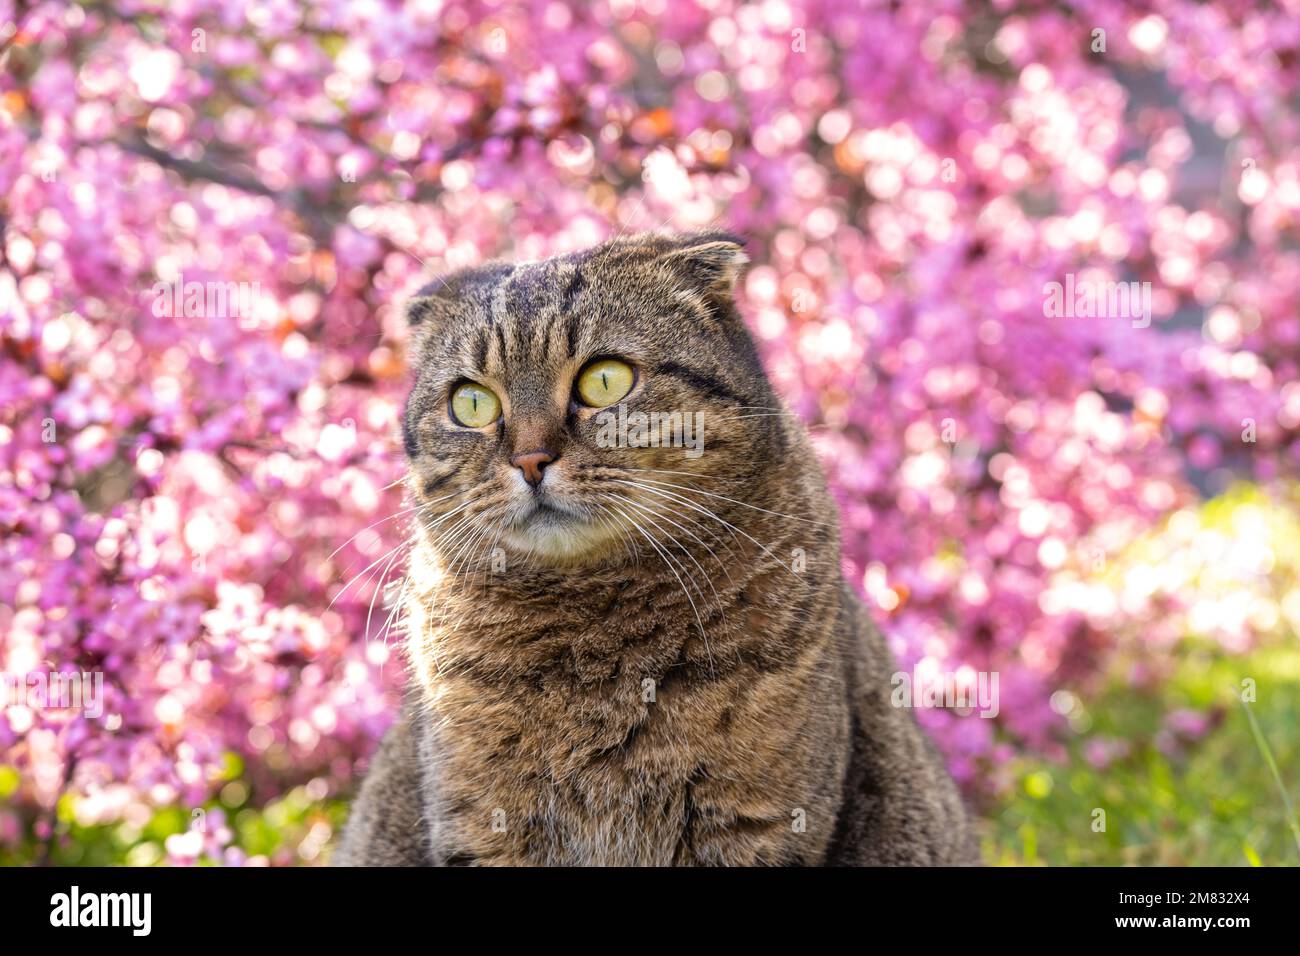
x=474, y=406
x=605, y=382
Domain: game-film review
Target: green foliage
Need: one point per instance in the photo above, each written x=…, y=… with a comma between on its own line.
x=291, y=830
x=1212, y=801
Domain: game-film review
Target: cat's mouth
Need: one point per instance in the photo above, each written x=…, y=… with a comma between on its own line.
x=547, y=510
x=548, y=527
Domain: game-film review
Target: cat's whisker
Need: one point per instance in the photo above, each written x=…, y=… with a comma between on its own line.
x=731, y=529
x=811, y=428
x=364, y=572
x=395, y=514
x=437, y=538
x=629, y=542
x=662, y=471
x=379, y=589
x=461, y=565
x=396, y=613
x=394, y=483
x=750, y=416
x=444, y=544
x=661, y=514
x=455, y=571
x=442, y=519
x=736, y=501
x=651, y=515
x=606, y=518
x=450, y=539
x=407, y=542
x=466, y=544
x=496, y=540
x=470, y=552
x=669, y=562
x=692, y=505
x=718, y=538
x=627, y=222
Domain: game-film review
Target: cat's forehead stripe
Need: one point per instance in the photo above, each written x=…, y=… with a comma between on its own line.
x=518, y=317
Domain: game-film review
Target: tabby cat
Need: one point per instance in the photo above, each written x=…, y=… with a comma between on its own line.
x=631, y=646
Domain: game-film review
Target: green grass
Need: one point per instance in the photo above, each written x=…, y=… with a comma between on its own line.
x=290, y=830
x=1215, y=801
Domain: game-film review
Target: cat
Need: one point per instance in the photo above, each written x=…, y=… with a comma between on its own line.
x=625, y=651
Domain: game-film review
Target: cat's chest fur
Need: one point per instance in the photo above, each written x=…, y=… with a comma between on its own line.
x=604, y=729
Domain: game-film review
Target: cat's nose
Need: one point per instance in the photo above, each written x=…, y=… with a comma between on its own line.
x=532, y=464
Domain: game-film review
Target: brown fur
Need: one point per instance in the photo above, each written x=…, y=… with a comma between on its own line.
x=585, y=696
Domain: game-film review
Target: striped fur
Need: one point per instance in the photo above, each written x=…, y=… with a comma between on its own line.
x=674, y=672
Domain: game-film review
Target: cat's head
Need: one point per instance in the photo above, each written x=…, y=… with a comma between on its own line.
x=572, y=408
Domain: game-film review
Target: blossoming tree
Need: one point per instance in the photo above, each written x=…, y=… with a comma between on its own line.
x=212, y=212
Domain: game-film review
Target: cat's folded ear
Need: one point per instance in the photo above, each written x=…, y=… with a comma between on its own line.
x=431, y=306
x=443, y=298
x=710, y=260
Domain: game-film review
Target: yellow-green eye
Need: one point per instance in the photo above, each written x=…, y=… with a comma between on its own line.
x=474, y=406
x=604, y=382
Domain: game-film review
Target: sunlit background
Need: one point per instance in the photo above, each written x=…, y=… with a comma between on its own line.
x=197, y=489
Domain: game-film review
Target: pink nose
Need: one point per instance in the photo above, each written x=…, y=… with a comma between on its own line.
x=532, y=463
